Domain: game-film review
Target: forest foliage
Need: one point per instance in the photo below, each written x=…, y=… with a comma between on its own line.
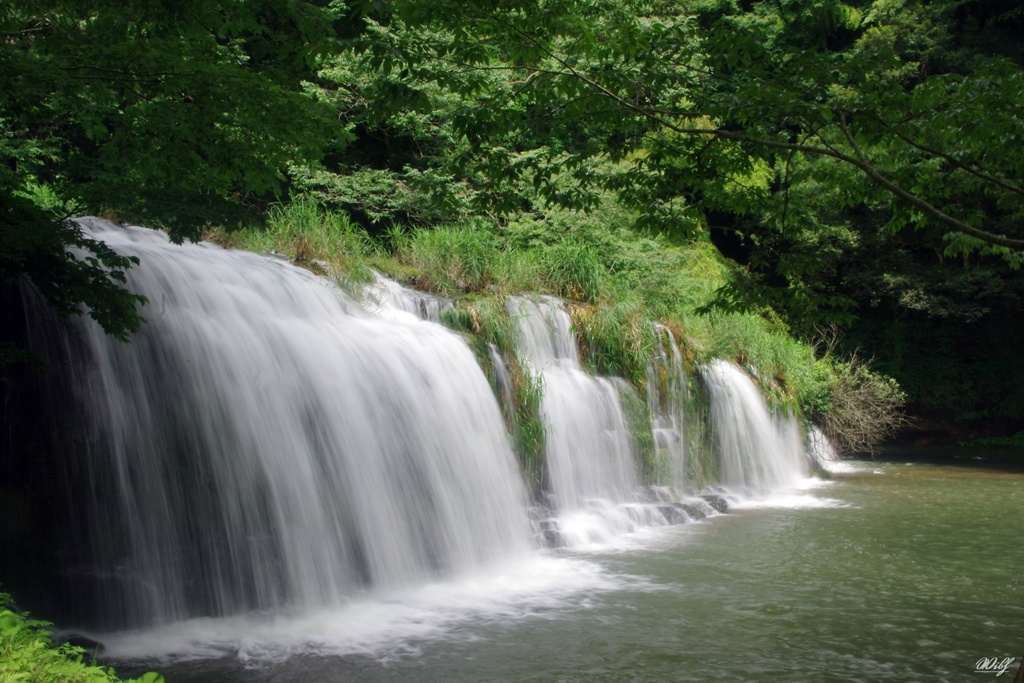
x=857, y=160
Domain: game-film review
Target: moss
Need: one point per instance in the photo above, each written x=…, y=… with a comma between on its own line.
x=486, y=323
x=638, y=421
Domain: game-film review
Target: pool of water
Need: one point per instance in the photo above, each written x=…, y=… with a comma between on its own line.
x=888, y=572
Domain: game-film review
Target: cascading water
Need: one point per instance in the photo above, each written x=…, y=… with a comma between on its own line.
x=502, y=379
x=263, y=444
x=590, y=452
x=387, y=295
x=757, y=452
x=328, y=480
x=666, y=400
x=589, y=449
x=824, y=453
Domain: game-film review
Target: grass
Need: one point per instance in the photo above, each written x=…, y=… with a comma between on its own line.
x=615, y=340
x=316, y=238
x=455, y=259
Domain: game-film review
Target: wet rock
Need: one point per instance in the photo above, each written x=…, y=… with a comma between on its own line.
x=694, y=511
x=551, y=534
x=672, y=514
x=717, y=502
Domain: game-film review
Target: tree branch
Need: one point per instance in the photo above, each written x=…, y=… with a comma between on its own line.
x=958, y=226
x=859, y=161
x=987, y=177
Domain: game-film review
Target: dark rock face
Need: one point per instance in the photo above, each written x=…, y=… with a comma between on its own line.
x=694, y=511
x=674, y=514
x=717, y=502
x=551, y=534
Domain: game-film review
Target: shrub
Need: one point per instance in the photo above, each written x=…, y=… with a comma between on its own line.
x=863, y=407
x=28, y=653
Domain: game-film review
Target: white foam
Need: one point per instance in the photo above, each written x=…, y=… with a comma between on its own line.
x=792, y=501
x=383, y=625
x=842, y=466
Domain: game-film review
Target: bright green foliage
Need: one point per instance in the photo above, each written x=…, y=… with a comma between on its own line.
x=790, y=132
x=27, y=653
x=572, y=270
x=587, y=150
x=615, y=341
x=401, y=167
x=455, y=258
x=857, y=158
x=314, y=237
x=162, y=114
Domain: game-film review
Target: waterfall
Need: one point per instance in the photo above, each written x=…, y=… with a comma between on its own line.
x=386, y=295
x=264, y=444
x=267, y=446
x=589, y=449
x=667, y=395
x=758, y=452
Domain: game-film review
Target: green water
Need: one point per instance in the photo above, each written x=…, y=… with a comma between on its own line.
x=915, y=578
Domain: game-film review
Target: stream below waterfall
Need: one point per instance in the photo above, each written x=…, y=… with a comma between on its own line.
x=889, y=572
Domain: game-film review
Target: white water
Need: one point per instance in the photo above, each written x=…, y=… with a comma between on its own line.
x=381, y=626
x=262, y=444
x=825, y=455
x=758, y=453
x=385, y=296
x=667, y=396
x=589, y=450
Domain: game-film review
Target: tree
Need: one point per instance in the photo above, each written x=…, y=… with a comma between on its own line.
x=177, y=114
x=712, y=103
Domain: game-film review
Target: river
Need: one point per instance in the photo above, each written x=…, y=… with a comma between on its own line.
x=890, y=571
